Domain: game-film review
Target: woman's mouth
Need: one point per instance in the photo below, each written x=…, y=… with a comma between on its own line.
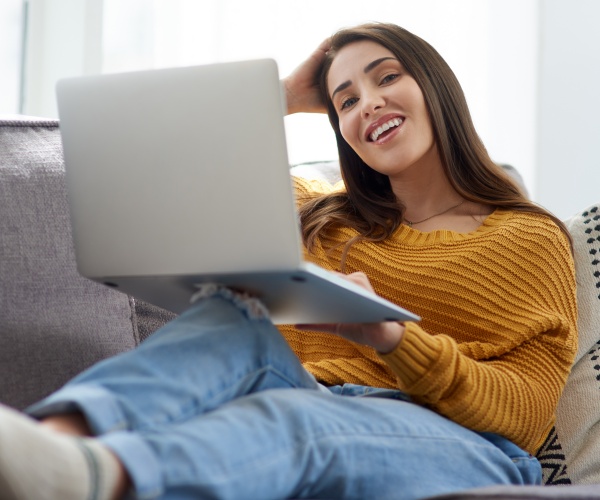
x=384, y=128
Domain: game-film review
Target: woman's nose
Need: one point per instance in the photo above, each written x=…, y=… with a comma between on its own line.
x=371, y=102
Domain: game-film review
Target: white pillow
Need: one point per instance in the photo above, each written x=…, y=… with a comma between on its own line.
x=578, y=413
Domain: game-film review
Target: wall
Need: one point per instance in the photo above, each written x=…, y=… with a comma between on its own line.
x=64, y=38
x=569, y=106
x=527, y=66
x=11, y=39
x=69, y=37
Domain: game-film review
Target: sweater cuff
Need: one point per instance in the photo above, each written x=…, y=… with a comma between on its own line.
x=414, y=356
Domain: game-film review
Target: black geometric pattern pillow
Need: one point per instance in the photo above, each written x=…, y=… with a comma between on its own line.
x=576, y=438
x=552, y=458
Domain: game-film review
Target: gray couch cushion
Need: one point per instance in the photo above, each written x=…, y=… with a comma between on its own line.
x=53, y=322
x=150, y=318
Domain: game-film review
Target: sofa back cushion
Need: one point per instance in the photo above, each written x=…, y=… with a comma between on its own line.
x=53, y=322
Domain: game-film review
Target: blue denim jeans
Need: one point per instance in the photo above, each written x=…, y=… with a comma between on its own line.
x=216, y=405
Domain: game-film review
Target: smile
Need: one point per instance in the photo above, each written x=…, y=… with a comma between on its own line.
x=394, y=122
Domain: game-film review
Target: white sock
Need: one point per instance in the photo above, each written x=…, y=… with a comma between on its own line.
x=36, y=463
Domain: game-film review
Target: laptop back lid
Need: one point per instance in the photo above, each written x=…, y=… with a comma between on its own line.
x=179, y=171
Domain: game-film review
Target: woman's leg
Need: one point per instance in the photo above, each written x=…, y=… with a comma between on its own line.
x=308, y=444
x=211, y=354
x=190, y=413
x=215, y=352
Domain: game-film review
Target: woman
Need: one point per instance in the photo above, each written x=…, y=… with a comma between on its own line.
x=205, y=407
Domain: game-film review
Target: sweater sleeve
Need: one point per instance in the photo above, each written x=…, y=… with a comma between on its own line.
x=512, y=392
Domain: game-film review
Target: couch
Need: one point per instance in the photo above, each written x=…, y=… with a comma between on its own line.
x=54, y=323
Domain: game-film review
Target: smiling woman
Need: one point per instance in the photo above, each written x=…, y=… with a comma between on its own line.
x=433, y=164
x=221, y=403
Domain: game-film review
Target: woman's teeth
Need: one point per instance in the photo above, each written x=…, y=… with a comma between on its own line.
x=395, y=122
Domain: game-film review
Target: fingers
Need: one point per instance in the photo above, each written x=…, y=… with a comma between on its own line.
x=325, y=45
x=346, y=330
x=318, y=327
x=321, y=51
x=302, y=91
x=383, y=337
x=358, y=278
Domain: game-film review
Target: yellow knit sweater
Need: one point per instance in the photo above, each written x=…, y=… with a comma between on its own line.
x=498, y=331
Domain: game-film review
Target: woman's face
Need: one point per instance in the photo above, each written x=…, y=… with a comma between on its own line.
x=381, y=109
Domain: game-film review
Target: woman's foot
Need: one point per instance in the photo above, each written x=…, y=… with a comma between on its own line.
x=37, y=462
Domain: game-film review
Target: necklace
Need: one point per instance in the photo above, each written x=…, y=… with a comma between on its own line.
x=412, y=223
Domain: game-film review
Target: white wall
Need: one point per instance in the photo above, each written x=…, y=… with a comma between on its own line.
x=64, y=38
x=569, y=106
x=510, y=68
x=527, y=66
x=11, y=22
x=138, y=34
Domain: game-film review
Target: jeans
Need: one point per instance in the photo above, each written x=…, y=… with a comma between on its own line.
x=216, y=405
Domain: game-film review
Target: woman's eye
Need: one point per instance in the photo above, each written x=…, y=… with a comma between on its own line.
x=346, y=103
x=389, y=78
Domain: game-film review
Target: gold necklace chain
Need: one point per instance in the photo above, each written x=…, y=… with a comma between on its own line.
x=412, y=223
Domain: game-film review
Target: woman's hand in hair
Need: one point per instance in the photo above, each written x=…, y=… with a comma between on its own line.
x=301, y=86
x=383, y=337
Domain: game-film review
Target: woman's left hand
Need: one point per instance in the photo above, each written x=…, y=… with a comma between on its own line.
x=301, y=86
x=383, y=337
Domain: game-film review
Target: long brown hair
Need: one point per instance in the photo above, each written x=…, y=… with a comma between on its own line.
x=368, y=205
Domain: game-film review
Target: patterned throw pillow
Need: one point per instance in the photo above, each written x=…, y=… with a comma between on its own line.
x=572, y=451
x=552, y=459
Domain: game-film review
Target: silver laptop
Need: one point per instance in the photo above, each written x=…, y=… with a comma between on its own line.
x=180, y=176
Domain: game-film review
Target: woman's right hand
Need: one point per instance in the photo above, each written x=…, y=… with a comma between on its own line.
x=301, y=86
x=383, y=337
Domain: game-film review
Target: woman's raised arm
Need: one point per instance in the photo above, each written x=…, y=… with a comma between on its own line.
x=301, y=86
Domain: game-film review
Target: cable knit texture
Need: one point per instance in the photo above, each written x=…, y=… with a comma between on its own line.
x=498, y=331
